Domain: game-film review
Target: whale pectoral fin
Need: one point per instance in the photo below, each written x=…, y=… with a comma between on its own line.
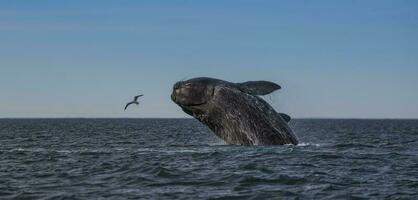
x=258, y=87
x=285, y=117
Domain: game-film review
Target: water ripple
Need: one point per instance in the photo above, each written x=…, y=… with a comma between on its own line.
x=181, y=159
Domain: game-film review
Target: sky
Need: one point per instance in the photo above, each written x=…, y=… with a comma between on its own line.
x=333, y=59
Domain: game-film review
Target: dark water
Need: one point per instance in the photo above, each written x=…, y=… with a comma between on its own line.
x=180, y=158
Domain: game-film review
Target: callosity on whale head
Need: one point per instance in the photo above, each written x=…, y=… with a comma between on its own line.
x=234, y=111
x=193, y=92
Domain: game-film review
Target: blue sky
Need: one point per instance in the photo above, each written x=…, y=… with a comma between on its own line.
x=339, y=59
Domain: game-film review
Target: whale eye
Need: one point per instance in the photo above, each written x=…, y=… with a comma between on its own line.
x=187, y=84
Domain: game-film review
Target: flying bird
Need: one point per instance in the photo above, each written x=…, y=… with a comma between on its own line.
x=135, y=101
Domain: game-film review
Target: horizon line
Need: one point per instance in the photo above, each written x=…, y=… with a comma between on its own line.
x=296, y=118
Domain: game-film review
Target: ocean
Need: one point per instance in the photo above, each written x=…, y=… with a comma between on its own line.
x=182, y=159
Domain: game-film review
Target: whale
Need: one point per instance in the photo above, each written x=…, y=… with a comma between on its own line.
x=235, y=112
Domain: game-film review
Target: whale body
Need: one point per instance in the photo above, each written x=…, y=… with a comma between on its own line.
x=234, y=111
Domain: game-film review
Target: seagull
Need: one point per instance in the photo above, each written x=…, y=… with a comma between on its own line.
x=135, y=101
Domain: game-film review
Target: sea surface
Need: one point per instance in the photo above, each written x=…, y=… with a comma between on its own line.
x=182, y=159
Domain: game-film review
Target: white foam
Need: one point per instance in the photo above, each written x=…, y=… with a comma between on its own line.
x=308, y=144
x=64, y=151
x=217, y=143
x=29, y=150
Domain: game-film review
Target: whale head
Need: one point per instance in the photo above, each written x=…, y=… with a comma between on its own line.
x=193, y=96
x=193, y=92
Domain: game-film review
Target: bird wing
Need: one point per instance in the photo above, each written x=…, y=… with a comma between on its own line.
x=129, y=104
x=136, y=97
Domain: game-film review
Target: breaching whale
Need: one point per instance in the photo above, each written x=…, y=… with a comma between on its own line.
x=234, y=111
